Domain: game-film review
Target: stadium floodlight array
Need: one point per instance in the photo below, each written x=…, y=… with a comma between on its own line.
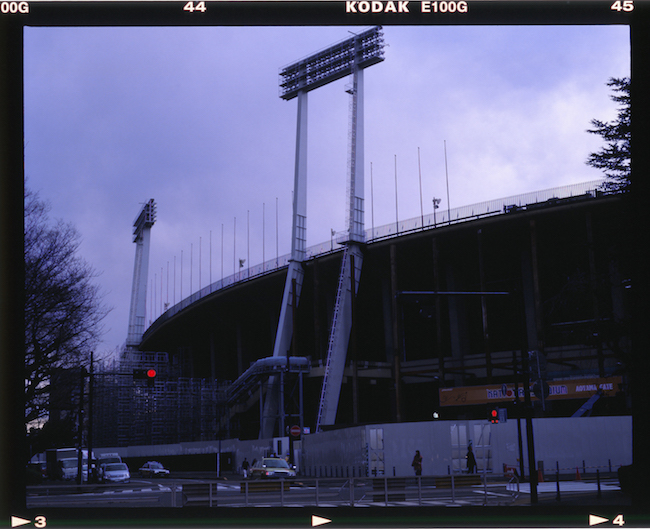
x=332, y=63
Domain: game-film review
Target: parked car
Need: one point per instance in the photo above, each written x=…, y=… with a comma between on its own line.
x=153, y=469
x=115, y=473
x=69, y=469
x=271, y=467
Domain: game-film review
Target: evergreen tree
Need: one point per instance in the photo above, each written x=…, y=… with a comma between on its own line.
x=614, y=158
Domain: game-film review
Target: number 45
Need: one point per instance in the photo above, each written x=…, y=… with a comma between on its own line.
x=624, y=5
x=200, y=6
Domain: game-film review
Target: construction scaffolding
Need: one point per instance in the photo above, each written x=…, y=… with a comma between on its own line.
x=168, y=409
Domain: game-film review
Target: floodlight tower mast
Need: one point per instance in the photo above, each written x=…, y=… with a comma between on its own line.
x=141, y=237
x=340, y=60
x=352, y=260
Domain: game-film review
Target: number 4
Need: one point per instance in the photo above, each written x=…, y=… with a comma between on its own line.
x=619, y=521
x=624, y=5
x=200, y=6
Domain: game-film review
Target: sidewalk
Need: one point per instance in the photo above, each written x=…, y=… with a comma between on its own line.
x=573, y=493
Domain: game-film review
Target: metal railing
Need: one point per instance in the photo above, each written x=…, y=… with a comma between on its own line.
x=501, y=206
x=377, y=491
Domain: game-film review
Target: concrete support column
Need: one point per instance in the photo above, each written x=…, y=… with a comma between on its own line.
x=486, y=334
x=438, y=309
x=395, y=321
x=593, y=280
x=528, y=299
x=457, y=321
x=539, y=345
x=240, y=360
x=213, y=358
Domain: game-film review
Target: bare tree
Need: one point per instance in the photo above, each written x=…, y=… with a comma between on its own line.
x=63, y=308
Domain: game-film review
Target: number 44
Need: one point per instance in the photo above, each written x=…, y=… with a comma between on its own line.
x=622, y=5
x=200, y=6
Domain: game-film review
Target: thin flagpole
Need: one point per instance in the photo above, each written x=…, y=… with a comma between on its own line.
x=396, y=207
x=222, y=256
x=372, y=203
x=447, y=177
x=420, y=176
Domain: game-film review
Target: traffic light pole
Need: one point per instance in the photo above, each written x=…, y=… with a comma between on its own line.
x=519, y=307
x=528, y=409
x=137, y=374
x=518, y=408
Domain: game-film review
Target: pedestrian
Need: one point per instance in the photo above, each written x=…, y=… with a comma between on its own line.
x=244, y=467
x=417, y=463
x=471, y=460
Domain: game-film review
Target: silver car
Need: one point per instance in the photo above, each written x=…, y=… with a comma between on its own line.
x=153, y=469
x=115, y=473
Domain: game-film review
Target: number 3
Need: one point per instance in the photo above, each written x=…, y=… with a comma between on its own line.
x=40, y=521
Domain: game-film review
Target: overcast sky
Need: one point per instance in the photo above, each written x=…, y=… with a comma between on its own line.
x=192, y=118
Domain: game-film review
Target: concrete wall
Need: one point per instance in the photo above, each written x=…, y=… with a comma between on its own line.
x=344, y=447
x=566, y=441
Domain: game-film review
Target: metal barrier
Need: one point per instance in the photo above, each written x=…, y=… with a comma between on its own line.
x=455, y=489
x=503, y=206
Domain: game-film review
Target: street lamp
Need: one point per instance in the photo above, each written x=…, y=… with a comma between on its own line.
x=436, y=205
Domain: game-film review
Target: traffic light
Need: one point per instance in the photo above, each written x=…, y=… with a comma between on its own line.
x=145, y=374
x=493, y=415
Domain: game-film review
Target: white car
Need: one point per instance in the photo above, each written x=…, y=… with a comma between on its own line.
x=70, y=469
x=153, y=469
x=115, y=473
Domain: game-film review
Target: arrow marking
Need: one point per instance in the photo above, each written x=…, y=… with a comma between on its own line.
x=317, y=520
x=595, y=520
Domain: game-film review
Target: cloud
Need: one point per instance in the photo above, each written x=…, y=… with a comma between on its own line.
x=191, y=117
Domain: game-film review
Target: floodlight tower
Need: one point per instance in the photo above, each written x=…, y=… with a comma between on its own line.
x=348, y=57
x=141, y=237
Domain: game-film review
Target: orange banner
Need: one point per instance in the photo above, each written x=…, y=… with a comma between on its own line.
x=579, y=388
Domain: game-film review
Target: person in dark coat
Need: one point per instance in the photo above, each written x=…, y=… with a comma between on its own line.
x=417, y=463
x=471, y=460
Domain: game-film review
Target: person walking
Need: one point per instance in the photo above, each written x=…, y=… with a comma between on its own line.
x=244, y=467
x=417, y=463
x=471, y=460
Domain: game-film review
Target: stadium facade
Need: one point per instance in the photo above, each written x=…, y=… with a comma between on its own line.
x=447, y=308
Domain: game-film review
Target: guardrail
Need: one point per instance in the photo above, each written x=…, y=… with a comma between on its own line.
x=502, y=206
x=381, y=491
x=376, y=491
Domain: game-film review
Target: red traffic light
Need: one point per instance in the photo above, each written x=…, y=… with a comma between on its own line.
x=494, y=416
x=151, y=373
